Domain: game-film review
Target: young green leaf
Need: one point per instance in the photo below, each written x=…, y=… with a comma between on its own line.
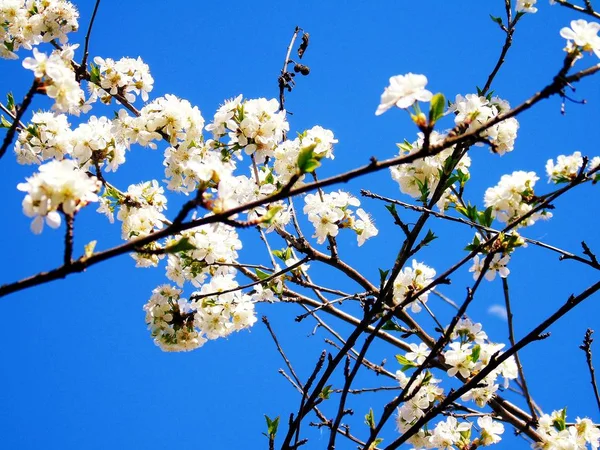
x=436, y=108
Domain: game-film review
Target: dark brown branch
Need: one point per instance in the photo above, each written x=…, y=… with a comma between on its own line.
x=587, y=10
x=587, y=348
x=83, y=66
x=511, y=338
x=507, y=43
x=69, y=219
x=10, y=134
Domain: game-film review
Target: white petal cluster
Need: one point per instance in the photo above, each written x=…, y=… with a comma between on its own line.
x=565, y=169
x=496, y=265
x=582, y=37
x=469, y=353
x=174, y=118
x=424, y=173
x=413, y=409
x=212, y=244
x=170, y=320
x=58, y=186
x=526, y=6
x=330, y=212
x=411, y=280
x=95, y=142
x=403, y=92
x=128, y=77
x=59, y=79
x=513, y=197
x=220, y=315
x=257, y=126
x=286, y=154
x=47, y=136
x=476, y=111
x=557, y=435
x=26, y=23
x=141, y=209
x=193, y=164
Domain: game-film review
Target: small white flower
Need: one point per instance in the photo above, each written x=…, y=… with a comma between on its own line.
x=403, y=92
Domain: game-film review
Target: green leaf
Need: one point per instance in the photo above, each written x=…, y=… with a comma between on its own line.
x=370, y=419
x=94, y=73
x=382, y=276
x=436, y=108
x=307, y=160
x=10, y=102
x=270, y=215
x=183, y=245
x=392, y=209
x=4, y=123
x=475, y=353
x=278, y=254
x=404, y=361
x=486, y=218
x=498, y=20
x=390, y=325
x=262, y=275
x=430, y=236
x=272, y=426
x=326, y=392
x=88, y=249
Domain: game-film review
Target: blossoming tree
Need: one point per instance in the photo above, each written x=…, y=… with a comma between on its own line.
x=246, y=175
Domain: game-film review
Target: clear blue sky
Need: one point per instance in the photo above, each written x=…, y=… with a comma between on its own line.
x=78, y=367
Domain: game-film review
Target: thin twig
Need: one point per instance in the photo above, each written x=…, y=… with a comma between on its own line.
x=511, y=338
x=10, y=134
x=68, y=258
x=587, y=348
x=83, y=66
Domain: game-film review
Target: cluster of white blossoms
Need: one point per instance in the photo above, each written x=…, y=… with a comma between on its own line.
x=128, y=77
x=446, y=433
x=180, y=325
x=330, y=212
x=255, y=126
x=58, y=78
x=475, y=111
x=567, y=167
x=497, y=265
x=210, y=246
x=403, y=92
x=59, y=186
x=420, y=178
x=319, y=139
x=419, y=402
x=189, y=165
x=26, y=23
x=141, y=209
x=557, y=434
x=170, y=320
x=513, y=197
x=168, y=117
x=469, y=353
x=411, y=280
x=451, y=433
x=582, y=37
x=47, y=136
x=94, y=143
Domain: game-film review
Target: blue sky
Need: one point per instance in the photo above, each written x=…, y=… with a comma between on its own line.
x=78, y=368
